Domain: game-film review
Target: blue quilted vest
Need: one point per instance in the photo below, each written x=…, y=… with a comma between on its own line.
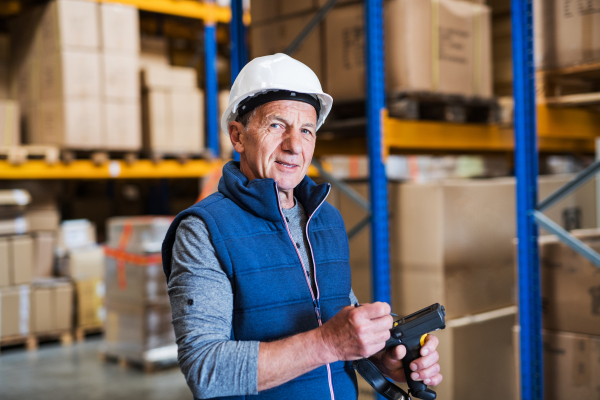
x=272, y=296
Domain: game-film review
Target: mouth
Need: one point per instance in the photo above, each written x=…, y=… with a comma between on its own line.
x=286, y=165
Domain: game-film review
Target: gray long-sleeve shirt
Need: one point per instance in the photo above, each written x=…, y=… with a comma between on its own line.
x=202, y=307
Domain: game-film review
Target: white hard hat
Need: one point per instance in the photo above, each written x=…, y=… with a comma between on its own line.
x=278, y=72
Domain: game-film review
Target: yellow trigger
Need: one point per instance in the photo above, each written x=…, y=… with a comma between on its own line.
x=423, y=339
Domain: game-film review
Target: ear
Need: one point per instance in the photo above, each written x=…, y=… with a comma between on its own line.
x=236, y=133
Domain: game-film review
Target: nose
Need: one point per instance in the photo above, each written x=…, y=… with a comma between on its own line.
x=292, y=142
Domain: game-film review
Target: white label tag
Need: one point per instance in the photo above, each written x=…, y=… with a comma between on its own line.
x=24, y=310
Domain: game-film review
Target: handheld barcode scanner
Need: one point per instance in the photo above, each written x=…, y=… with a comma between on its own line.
x=410, y=331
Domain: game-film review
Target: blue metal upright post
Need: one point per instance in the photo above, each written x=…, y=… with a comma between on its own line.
x=526, y=160
x=239, y=48
x=210, y=57
x=380, y=258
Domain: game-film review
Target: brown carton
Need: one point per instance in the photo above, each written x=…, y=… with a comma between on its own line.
x=44, y=246
x=266, y=10
x=90, y=311
x=75, y=124
x=70, y=75
x=21, y=259
x=571, y=364
x=83, y=263
x=570, y=285
x=566, y=33
x=120, y=76
x=4, y=262
x=119, y=27
x=14, y=311
x=133, y=331
x=43, y=219
x=153, y=51
x=442, y=46
x=51, y=305
x=69, y=24
x=274, y=37
x=10, y=134
x=122, y=124
x=440, y=234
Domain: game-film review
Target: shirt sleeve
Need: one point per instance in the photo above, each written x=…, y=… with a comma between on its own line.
x=202, y=309
x=353, y=299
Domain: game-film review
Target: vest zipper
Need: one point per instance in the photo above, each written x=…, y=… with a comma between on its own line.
x=316, y=302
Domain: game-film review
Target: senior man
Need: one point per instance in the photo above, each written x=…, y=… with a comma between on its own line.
x=258, y=272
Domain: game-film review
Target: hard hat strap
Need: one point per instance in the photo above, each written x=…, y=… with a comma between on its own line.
x=253, y=102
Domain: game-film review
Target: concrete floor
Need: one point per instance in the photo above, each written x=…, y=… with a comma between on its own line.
x=54, y=372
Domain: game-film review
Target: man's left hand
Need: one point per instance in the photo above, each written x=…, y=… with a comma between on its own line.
x=425, y=368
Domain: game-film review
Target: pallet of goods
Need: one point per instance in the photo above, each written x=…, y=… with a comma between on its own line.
x=138, y=312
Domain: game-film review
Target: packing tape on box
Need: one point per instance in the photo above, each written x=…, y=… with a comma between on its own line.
x=24, y=310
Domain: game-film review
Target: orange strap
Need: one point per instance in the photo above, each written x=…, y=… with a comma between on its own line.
x=123, y=241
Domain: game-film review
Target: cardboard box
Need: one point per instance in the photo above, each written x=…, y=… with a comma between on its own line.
x=4, y=262
x=51, y=305
x=147, y=233
x=70, y=75
x=129, y=283
x=83, y=263
x=460, y=39
x=119, y=26
x=10, y=132
x=13, y=226
x=89, y=301
x=224, y=142
x=571, y=365
x=14, y=311
x=570, y=285
x=153, y=51
x=173, y=121
x=76, y=234
x=69, y=25
x=168, y=78
x=75, y=124
x=43, y=219
x=44, y=246
x=440, y=234
x=566, y=33
x=120, y=76
x=265, y=10
x=274, y=37
x=20, y=259
x=122, y=125
x=134, y=330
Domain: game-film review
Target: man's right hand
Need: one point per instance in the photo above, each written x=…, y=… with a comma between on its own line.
x=357, y=332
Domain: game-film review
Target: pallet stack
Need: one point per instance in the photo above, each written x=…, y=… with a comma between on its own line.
x=75, y=69
x=443, y=250
x=16, y=267
x=138, y=319
x=571, y=318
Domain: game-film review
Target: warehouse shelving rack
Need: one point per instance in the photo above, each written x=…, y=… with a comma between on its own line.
x=536, y=128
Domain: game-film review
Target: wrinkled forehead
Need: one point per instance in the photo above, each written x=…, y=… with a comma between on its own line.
x=293, y=112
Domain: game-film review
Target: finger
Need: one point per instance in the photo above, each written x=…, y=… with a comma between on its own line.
x=434, y=381
x=391, y=361
x=425, y=373
x=398, y=353
x=431, y=343
x=425, y=362
x=382, y=323
x=374, y=310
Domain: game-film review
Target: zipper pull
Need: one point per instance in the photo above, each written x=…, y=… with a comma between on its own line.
x=317, y=305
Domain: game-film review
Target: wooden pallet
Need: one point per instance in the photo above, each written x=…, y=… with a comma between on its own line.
x=20, y=154
x=578, y=85
x=82, y=331
x=137, y=363
x=32, y=342
x=182, y=156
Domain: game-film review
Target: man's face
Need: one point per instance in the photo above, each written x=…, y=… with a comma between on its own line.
x=279, y=142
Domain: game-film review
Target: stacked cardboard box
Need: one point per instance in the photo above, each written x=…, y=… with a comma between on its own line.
x=443, y=250
x=570, y=317
x=76, y=64
x=10, y=132
x=173, y=110
x=4, y=67
x=44, y=219
x=138, y=319
x=51, y=305
x=120, y=45
x=566, y=33
x=432, y=46
x=16, y=263
x=82, y=260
